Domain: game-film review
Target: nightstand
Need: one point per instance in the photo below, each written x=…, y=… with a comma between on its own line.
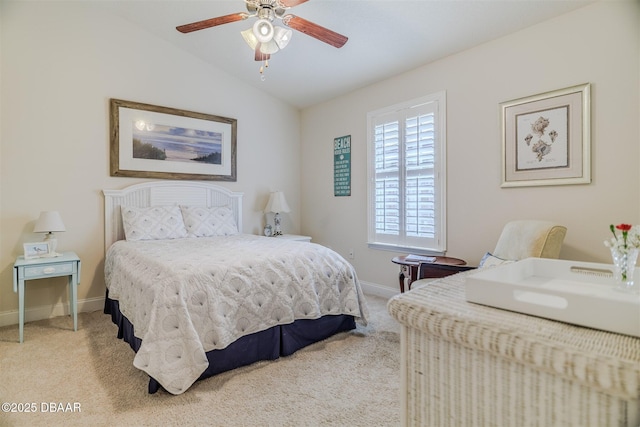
x=295, y=237
x=68, y=264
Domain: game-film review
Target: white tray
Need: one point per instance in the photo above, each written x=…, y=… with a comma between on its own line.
x=569, y=291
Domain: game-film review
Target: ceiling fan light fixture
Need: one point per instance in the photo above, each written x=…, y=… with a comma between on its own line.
x=269, y=47
x=263, y=30
x=251, y=39
x=282, y=36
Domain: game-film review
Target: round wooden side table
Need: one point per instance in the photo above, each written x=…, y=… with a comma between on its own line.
x=409, y=268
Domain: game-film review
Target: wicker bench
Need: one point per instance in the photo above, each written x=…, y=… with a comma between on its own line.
x=465, y=364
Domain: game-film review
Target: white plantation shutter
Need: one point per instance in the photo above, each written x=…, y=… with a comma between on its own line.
x=387, y=178
x=406, y=176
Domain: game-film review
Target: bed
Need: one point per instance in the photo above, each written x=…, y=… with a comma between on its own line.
x=194, y=297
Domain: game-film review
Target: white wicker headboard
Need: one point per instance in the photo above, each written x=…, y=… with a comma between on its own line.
x=157, y=193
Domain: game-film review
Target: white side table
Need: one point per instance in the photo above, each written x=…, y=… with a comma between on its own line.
x=294, y=237
x=68, y=264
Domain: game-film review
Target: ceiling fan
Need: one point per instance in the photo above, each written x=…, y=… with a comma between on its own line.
x=263, y=37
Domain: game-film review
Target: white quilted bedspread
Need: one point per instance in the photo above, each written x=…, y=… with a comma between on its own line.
x=189, y=296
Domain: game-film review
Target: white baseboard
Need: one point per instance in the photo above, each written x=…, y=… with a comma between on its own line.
x=378, y=290
x=48, y=311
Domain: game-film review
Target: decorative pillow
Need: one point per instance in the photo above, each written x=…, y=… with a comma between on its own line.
x=152, y=223
x=201, y=221
x=489, y=260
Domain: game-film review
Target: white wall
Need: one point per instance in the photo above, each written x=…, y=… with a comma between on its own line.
x=599, y=44
x=61, y=63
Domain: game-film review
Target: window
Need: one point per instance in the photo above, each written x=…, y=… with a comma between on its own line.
x=406, y=148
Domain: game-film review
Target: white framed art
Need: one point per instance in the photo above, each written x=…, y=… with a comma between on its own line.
x=36, y=250
x=546, y=138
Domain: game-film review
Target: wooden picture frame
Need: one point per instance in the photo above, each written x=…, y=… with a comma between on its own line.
x=149, y=141
x=546, y=138
x=36, y=250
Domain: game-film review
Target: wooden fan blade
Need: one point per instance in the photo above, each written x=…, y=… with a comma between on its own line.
x=291, y=3
x=208, y=23
x=314, y=30
x=259, y=55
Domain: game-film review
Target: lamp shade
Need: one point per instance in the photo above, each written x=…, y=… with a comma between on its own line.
x=263, y=30
x=49, y=221
x=282, y=37
x=277, y=203
x=251, y=40
x=278, y=41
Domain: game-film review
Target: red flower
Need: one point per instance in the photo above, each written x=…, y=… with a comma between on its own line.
x=624, y=227
x=625, y=232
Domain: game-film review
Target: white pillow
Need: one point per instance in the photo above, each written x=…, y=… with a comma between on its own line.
x=489, y=260
x=152, y=223
x=201, y=221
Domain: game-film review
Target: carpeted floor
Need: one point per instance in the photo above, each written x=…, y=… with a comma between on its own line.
x=351, y=379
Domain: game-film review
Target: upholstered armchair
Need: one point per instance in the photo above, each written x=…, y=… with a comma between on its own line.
x=519, y=239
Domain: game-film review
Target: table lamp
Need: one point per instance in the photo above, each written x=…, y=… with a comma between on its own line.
x=50, y=222
x=276, y=204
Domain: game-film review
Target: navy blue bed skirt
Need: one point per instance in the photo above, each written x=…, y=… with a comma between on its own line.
x=281, y=340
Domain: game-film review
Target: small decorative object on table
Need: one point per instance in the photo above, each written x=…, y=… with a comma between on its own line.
x=624, y=252
x=37, y=250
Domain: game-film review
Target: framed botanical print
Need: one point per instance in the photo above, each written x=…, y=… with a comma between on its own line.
x=546, y=138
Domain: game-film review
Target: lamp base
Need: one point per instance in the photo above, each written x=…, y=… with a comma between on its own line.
x=277, y=231
x=53, y=245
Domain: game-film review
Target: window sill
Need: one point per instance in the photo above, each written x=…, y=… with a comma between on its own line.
x=406, y=249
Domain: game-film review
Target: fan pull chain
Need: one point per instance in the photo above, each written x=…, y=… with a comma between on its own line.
x=262, y=67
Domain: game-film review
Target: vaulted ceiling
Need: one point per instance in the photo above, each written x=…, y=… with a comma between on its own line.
x=386, y=37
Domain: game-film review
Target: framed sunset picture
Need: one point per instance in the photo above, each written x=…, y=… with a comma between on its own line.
x=149, y=141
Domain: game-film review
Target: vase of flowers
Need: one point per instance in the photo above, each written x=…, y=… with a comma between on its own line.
x=624, y=251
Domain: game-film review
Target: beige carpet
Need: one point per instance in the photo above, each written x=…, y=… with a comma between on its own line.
x=351, y=379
